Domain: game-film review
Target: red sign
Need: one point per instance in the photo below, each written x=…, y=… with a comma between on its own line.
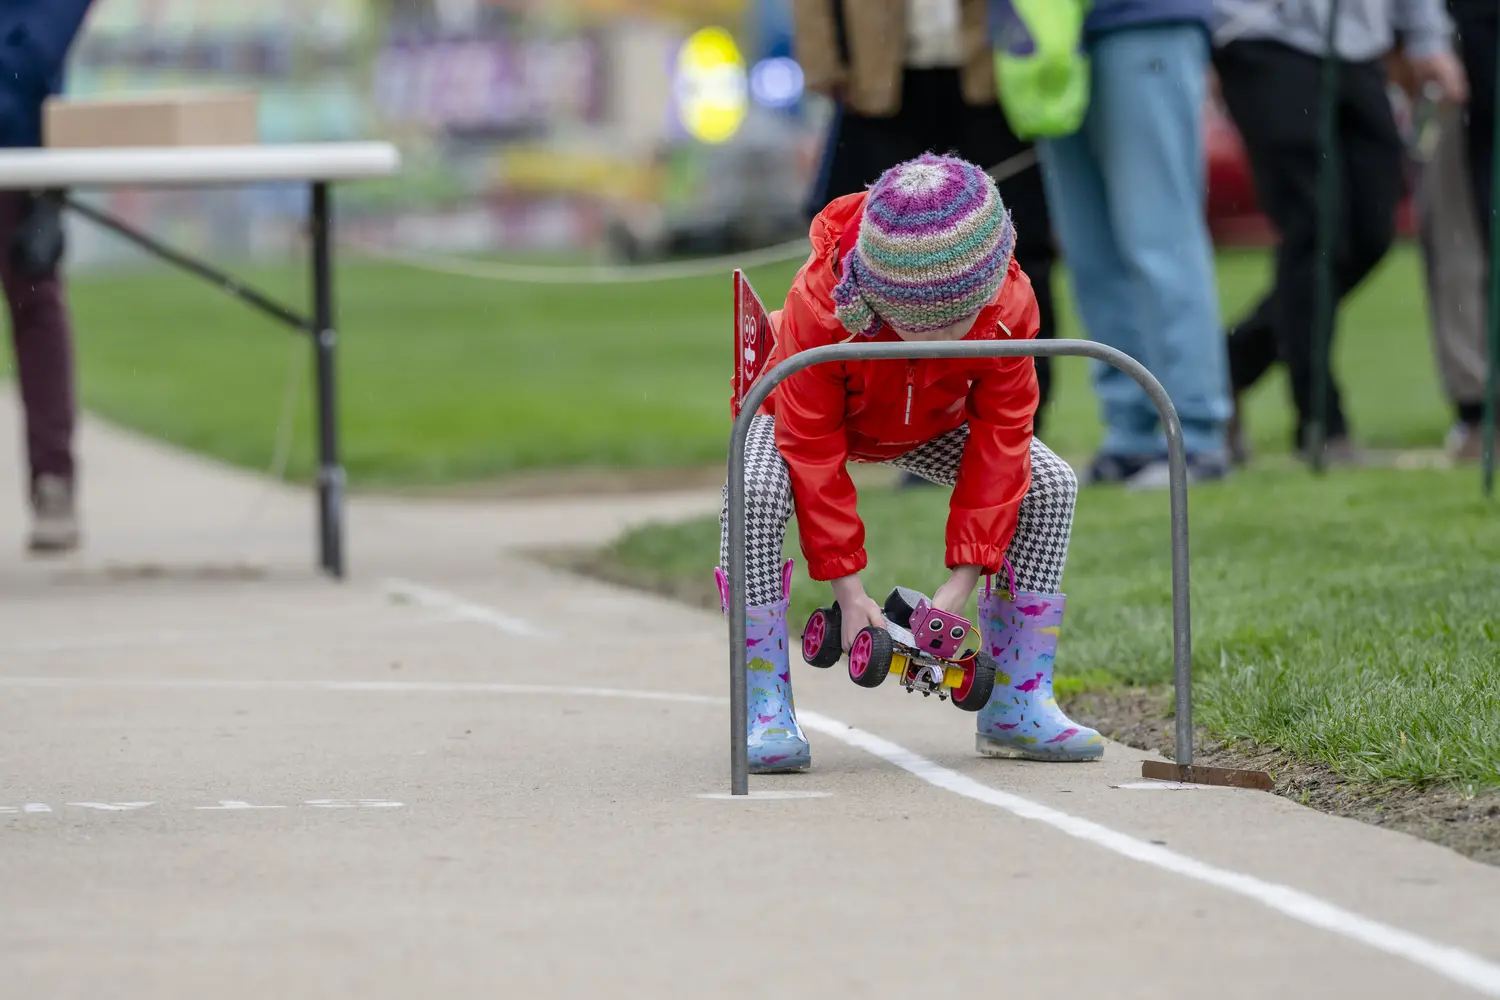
x=754, y=339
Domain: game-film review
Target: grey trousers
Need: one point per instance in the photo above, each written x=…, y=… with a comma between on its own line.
x=1457, y=267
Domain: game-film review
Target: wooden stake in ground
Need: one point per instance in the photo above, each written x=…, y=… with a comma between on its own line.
x=1199, y=774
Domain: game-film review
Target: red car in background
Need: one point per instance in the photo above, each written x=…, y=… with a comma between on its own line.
x=1234, y=216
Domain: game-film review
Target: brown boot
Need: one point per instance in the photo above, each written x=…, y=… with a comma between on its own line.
x=54, y=526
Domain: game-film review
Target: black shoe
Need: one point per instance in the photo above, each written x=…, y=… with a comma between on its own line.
x=1338, y=452
x=54, y=526
x=1108, y=468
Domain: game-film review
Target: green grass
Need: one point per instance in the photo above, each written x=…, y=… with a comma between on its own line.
x=447, y=378
x=1351, y=620
x=441, y=379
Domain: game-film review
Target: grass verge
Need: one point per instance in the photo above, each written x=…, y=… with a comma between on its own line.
x=449, y=379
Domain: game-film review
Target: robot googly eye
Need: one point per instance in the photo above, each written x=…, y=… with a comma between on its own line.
x=936, y=625
x=957, y=633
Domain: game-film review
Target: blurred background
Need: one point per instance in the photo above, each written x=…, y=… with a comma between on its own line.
x=558, y=133
x=527, y=126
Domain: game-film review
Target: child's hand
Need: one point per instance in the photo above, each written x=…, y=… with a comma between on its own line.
x=954, y=595
x=856, y=608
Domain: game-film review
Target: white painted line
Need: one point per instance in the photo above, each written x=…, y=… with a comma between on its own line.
x=225, y=805
x=1454, y=963
x=351, y=687
x=429, y=597
x=1170, y=786
x=763, y=794
x=190, y=637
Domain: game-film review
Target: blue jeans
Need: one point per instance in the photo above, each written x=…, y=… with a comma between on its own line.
x=1127, y=196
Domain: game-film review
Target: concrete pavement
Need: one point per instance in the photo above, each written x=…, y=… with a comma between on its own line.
x=460, y=773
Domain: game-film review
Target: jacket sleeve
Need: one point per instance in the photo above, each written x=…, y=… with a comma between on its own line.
x=811, y=438
x=995, y=471
x=34, y=42
x=815, y=40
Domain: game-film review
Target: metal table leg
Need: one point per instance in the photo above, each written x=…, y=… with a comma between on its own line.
x=330, y=473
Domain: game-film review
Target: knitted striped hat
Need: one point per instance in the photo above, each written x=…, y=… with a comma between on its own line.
x=934, y=246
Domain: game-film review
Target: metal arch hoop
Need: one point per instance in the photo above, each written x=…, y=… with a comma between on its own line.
x=1182, y=646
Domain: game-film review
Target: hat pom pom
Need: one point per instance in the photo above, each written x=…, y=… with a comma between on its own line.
x=849, y=304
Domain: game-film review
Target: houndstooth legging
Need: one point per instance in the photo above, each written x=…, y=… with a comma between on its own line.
x=1037, y=552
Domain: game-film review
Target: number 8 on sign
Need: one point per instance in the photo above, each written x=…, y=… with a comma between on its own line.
x=755, y=339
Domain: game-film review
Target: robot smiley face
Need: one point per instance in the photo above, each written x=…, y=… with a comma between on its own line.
x=938, y=633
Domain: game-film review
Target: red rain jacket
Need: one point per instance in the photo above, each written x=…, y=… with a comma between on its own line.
x=873, y=411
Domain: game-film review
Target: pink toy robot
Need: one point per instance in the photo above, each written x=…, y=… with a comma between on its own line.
x=931, y=650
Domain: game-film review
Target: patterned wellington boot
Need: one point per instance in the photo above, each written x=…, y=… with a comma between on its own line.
x=776, y=743
x=1022, y=719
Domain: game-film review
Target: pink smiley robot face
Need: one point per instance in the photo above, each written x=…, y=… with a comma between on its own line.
x=936, y=632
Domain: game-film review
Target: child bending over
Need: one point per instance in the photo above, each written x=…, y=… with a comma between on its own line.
x=924, y=255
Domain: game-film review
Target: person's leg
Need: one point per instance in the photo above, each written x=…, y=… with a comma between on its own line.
x=1039, y=548
x=1253, y=342
x=1148, y=97
x=1457, y=276
x=43, y=340
x=1252, y=351
x=1271, y=92
x=988, y=141
x=1020, y=626
x=776, y=741
x=1103, y=292
x=1477, y=35
x=1371, y=180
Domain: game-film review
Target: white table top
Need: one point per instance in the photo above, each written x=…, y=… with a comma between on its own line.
x=194, y=165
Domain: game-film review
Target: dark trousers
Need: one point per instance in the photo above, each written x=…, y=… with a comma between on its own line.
x=934, y=118
x=1272, y=95
x=1477, y=41
x=43, y=343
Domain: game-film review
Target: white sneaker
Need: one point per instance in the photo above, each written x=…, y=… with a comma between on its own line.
x=54, y=526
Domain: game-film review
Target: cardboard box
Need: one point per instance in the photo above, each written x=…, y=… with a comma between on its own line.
x=191, y=118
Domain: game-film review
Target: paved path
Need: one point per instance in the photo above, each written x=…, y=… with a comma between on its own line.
x=461, y=774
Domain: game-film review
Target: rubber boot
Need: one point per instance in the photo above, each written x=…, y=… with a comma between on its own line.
x=1022, y=719
x=776, y=742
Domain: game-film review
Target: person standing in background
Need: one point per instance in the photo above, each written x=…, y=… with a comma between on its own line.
x=1455, y=264
x=915, y=76
x=1270, y=75
x=1478, y=25
x=1128, y=193
x=35, y=36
